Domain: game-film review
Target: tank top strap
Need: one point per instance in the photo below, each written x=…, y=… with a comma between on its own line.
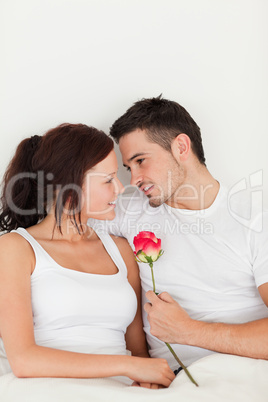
x=43, y=257
x=113, y=251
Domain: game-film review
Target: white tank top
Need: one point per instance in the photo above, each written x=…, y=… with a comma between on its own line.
x=78, y=311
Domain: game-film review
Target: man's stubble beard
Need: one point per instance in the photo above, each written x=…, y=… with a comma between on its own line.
x=175, y=179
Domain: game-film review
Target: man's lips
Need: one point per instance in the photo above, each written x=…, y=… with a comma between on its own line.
x=147, y=188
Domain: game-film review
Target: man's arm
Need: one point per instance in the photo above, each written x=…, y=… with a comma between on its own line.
x=170, y=323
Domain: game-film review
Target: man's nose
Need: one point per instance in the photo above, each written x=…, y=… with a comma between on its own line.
x=136, y=179
x=119, y=188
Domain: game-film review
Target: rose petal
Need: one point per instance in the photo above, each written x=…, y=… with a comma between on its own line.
x=147, y=235
x=152, y=249
x=139, y=244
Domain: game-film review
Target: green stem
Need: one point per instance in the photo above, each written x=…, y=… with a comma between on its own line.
x=152, y=271
x=168, y=345
x=181, y=364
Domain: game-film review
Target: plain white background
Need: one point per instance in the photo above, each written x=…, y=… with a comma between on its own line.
x=89, y=60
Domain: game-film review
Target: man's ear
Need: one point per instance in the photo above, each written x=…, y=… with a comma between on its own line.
x=180, y=147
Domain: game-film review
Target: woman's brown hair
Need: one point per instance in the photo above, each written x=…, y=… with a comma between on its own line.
x=50, y=168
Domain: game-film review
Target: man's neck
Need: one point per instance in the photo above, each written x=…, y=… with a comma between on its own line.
x=198, y=191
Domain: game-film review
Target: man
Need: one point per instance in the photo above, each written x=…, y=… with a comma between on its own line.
x=213, y=275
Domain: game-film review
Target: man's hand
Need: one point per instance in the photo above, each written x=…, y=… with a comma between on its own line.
x=168, y=321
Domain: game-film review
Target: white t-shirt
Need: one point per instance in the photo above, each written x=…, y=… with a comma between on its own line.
x=213, y=261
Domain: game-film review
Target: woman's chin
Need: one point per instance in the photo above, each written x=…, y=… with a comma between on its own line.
x=109, y=216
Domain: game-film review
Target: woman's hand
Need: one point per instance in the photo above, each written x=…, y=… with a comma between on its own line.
x=146, y=385
x=149, y=372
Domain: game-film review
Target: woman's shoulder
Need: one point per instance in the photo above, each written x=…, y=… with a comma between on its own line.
x=13, y=245
x=11, y=238
x=121, y=243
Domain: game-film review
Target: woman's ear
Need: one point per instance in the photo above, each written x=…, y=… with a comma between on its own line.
x=180, y=147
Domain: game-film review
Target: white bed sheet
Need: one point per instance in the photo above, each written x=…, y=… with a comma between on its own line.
x=220, y=377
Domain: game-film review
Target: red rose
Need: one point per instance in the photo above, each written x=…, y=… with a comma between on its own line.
x=147, y=247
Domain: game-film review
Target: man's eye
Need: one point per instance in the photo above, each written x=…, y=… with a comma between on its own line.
x=139, y=161
x=128, y=168
x=110, y=180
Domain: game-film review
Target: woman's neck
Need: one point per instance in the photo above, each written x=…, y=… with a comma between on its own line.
x=47, y=228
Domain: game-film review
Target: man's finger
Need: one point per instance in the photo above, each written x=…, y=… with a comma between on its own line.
x=151, y=296
x=165, y=296
x=147, y=307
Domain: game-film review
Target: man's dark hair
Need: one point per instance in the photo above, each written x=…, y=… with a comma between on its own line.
x=162, y=120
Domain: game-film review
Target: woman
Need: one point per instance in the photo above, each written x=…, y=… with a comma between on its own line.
x=67, y=295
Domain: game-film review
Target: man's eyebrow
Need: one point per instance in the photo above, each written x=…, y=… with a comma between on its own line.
x=133, y=157
x=136, y=155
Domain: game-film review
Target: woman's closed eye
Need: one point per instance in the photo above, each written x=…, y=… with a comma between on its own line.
x=110, y=180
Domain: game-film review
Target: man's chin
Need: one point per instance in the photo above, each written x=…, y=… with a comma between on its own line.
x=155, y=202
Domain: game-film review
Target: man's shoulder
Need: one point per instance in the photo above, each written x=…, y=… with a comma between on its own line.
x=245, y=208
